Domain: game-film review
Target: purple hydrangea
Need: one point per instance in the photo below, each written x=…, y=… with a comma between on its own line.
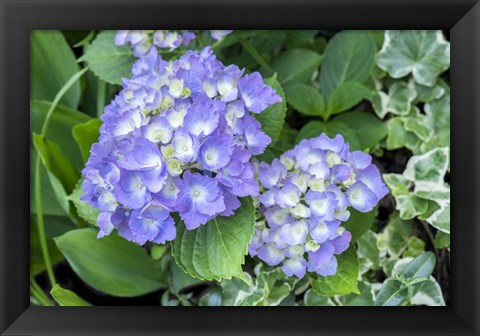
x=179, y=137
x=142, y=40
x=305, y=196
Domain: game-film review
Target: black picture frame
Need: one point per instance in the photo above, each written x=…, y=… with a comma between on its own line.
x=19, y=17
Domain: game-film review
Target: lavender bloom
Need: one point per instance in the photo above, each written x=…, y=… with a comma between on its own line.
x=177, y=138
x=304, y=199
x=142, y=40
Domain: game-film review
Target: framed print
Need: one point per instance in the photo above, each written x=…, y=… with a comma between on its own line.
x=317, y=157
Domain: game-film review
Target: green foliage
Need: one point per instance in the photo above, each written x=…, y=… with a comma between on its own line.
x=273, y=117
x=111, y=264
x=344, y=281
x=86, y=135
x=84, y=210
x=359, y=223
x=52, y=63
x=65, y=297
x=217, y=249
x=108, y=61
x=296, y=66
x=423, y=53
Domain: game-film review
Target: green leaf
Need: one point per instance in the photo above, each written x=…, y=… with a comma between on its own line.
x=416, y=246
x=392, y=293
x=52, y=63
x=236, y=292
x=440, y=219
x=350, y=56
x=423, y=53
x=296, y=66
x=86, y=135
x=306, y=99
x=428, y=293
x=37, y=263
x=418, y=126
x=313, y=299
x=431, y=166
x=62, y=121
x=112, y=264
x=332, y=128
x=359, y=222
x=273, y=117
x=397, y=184
x=344, y=281
x=180, y=279
x=427, y=94
x=365, y=298
x=368, y=128
x=398, y=137
x=65, y=297
x=437, y=117
x=274, y=285
x=212, y=298
x=398, y=101
x=108, y=61
x=346, y=95
x=84, y=210
x=368, y=250
x=410, y=206
x=217, y=249
x=56, y=162
x=287, y=137
x=420, y=267
x=397, y=233
x=442, y=240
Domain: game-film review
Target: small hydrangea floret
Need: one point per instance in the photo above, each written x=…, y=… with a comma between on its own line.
x=305, y=196
x=142, y=40
x=179, y=137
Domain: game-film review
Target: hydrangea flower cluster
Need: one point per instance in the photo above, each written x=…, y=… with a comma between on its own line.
x=177, y=138
x=305, y=198
x=142, y=40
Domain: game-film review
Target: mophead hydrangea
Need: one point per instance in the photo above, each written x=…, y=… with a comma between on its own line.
x=178, y=137
x=305, y=197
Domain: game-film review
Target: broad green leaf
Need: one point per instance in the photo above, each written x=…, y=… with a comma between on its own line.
x=314, y=128
x=217, y=249
x=52, y=63
x=84, y=210
x=398, y=101
x=296, y=66
x=313, y=299
x=359, y=222
x=56, y=162
x=273, y=117
x=392, y=293
x=440, y=219
x=346, y=95
x=420, y=267
x=368, y=128
x=287, y=137
x=430, y=166
x=415, y=247
x=86, y=135
x=428, y=293
x=108, y=61
x=62, y=121
x=365, y=298
x=367, y=250
x=349, y=56
x=398, y=137
x=180, y=279
x=300, y=39
x=344, y=281
x=112, y=264
x=423, y=53
x=65, y=297
x=306, y=99
x=269, y=155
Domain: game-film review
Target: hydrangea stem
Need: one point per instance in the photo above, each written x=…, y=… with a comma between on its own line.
x=38, y=293
x=38, y=179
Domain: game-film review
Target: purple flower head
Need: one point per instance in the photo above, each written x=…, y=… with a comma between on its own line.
x=304, y=198
x=177, y=138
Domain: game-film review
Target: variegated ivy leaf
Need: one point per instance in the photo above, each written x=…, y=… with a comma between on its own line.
x=431, y=166
x=437, y=117
x=440, y=219
x=423, y=53
x=410, y=206
x=398, y=101
x=426, y=94
x=428, y=293
x=417, y=124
